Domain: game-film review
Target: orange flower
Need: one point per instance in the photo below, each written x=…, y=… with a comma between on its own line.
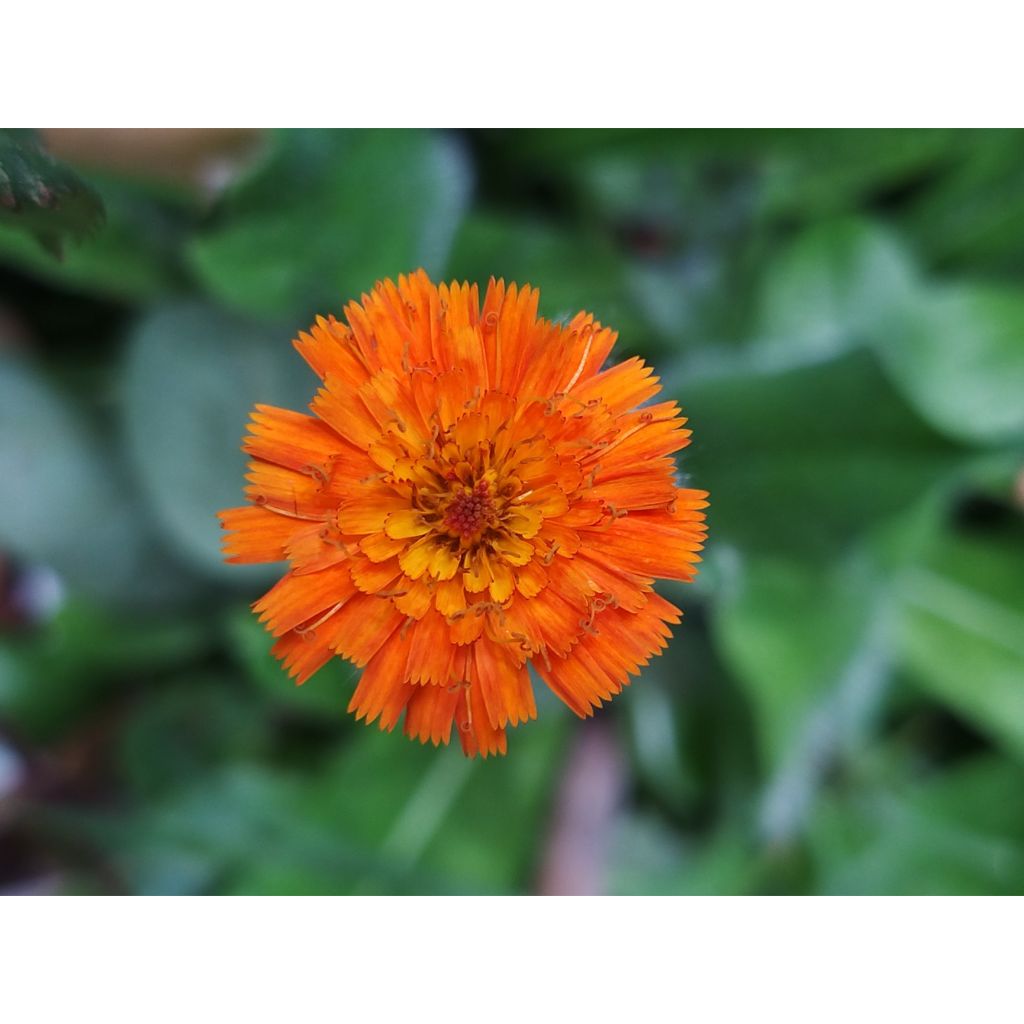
x=472, y=493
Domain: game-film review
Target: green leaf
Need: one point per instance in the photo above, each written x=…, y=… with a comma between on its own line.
x=962, y=632
x=65, y=501
x=383, y=816
x=791, y=633
x=957, y=354
x=52, y=676
x=573, y=272
x=192, y=378
x=651, y=859
x=972, y=217
x=821, y=173
x=325, y=214
x=812, y=648
x=959, y=832
x=829, y=290
x=135, y=257
x=41, y=196
x=803, y=462
x=325, y=696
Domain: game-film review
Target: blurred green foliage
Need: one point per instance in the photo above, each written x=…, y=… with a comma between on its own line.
x=841, y=314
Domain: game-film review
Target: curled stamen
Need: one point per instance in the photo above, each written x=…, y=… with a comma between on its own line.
x=317, y=473
x=544, y=655
x=404, y=631
x=308, y=632
x=549, y=557
x=391, y=593
x=327, y=535
x=397, y=420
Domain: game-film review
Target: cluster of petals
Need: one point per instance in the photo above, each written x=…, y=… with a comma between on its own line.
x=474, y=492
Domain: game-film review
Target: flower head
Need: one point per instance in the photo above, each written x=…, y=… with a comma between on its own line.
x=472, y=493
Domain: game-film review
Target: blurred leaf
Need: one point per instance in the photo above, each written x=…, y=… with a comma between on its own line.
x=572, y=272
x=325, y=214
x=651, y=859
x=386, y=815
x=325, y=696
x=65, y=503
x=690, y=728
x=803, y=462
x=51, y=676
x=828, y=291
x=135, y=256
x=957, y=353
x=973, y=216
x=41, y=196
x=962, y=632
x=177, y=733
x=813, y=649
x=791, y=634
x=192, y=378
x=961, y=832
x=815, y=174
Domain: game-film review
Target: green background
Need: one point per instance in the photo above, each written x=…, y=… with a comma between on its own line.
x=841, y=315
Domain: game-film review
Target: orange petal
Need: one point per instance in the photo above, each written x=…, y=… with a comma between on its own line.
x=450, y=597
x=504, y=684
x=368, y=511
x=407, y=522
x=431, y=651
x=416, y=600
x=295, y=600
x=476, y=733
x=379, y=547
x=430, y=712
x=302, y=654
x=256, y=534
x=382, y=690
x=363, y=626
x=601, y=663
x=328, y=349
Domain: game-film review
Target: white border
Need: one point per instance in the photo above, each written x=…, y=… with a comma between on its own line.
x=552, y=63
x=511, y=959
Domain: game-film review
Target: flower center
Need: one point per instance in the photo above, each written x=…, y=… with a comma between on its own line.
x=470, y=511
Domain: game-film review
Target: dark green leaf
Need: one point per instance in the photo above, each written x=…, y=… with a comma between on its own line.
x=572, y=272
x=49, y=678
x=41, y=196
x=325, y=214
x=325, y=696
x=828, y=292
x=962, y=632
x=192, y=378
x=957, y=833
x=803, y=462
x=957, y=353
x=65, y=500
x=136, y=255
